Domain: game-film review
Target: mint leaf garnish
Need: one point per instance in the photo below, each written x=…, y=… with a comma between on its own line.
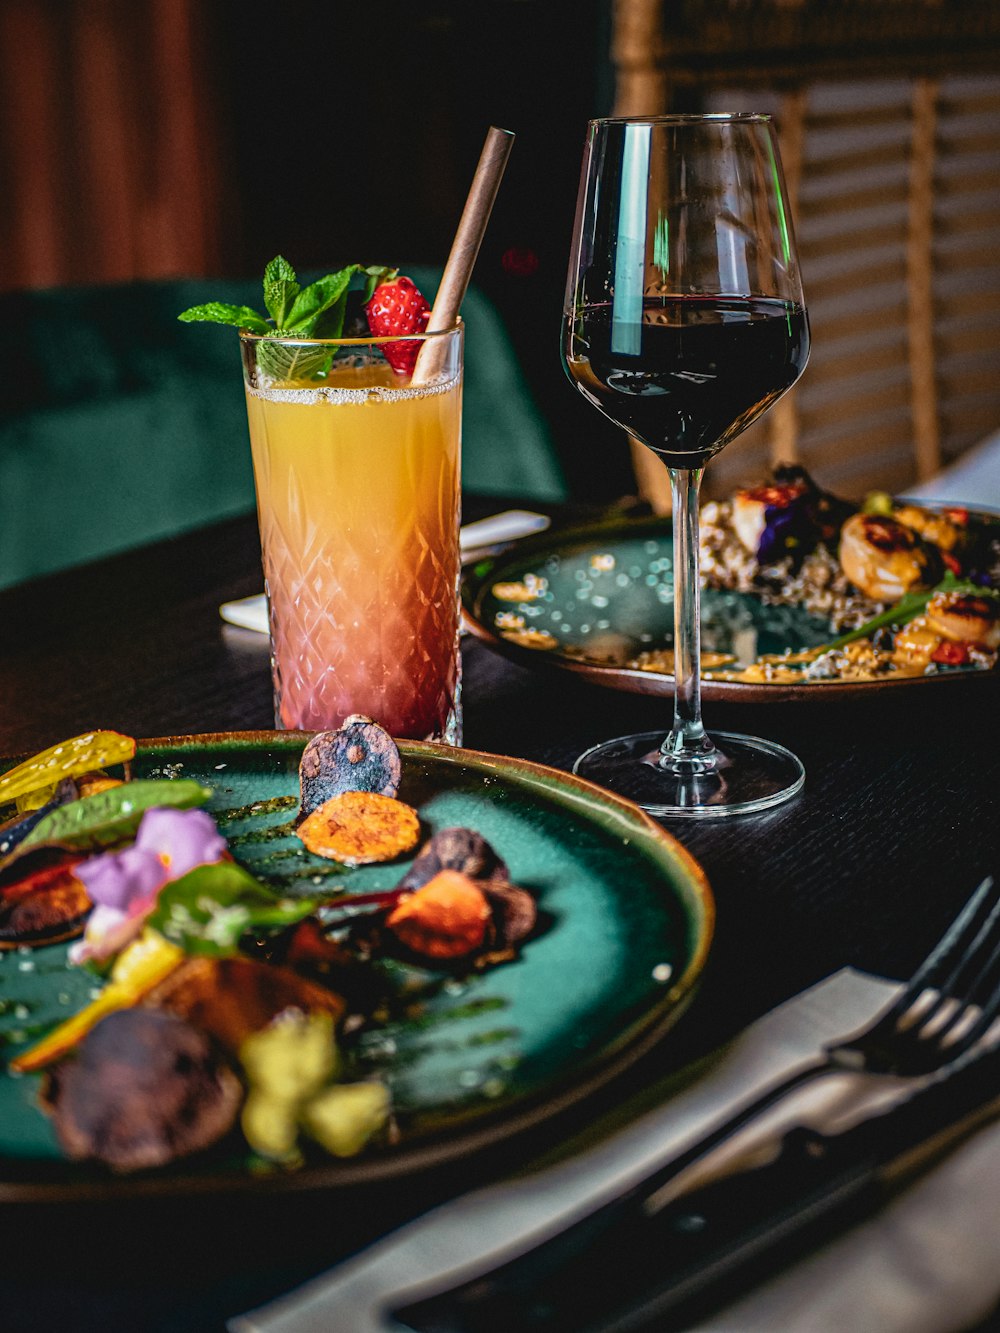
x=326, y=296
x=316, y=311
x=216, y=312
x=290, y=361
x=280, y=290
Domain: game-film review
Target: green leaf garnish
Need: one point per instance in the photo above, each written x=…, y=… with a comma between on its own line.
x=207, y=910
x=108, y=817
x=907, y=609
x=316, y=311
x=217, y=312
x=280, y=290
x=292, y=361
x=325, y=295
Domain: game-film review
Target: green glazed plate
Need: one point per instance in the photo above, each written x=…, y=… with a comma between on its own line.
x=626, y=917
x=608, y=596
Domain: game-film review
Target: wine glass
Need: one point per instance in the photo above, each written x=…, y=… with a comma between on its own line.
x=685, y=321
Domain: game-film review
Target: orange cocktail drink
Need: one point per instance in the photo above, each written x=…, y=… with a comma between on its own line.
x=357, y=477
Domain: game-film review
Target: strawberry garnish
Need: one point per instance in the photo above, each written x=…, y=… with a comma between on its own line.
x=396, y=308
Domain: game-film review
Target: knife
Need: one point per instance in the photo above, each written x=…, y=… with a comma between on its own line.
x=665, y=1264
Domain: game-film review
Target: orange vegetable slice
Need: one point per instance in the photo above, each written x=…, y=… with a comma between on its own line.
x=230, y=998
x=447, y=918
x=358, y=827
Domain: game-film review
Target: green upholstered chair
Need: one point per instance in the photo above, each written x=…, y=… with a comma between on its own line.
x=119, y=425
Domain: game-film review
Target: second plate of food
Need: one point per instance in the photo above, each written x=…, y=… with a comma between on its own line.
x=597, y=600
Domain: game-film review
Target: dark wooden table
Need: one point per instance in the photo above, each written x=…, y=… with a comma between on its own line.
x=897, y=822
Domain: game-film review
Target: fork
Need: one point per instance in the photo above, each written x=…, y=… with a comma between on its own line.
x=944, y=1011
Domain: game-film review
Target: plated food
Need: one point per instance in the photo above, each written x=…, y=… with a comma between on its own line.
x=906, y=590
x=233, y=994
x=800, y=589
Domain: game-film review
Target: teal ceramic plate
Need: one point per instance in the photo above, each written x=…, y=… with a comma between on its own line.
x=625, y=922
x=591, y=599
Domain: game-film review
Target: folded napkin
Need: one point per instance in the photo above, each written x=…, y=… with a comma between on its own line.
x=476, y=539
x=929, y=1263
x=972, y=480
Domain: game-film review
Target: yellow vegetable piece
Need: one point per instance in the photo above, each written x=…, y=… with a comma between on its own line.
x=34, y=800
x=92, y=783
x=137, y=970
x=291, y=1058
x=94, y=749
x=270, y=1126
x=343, y=1118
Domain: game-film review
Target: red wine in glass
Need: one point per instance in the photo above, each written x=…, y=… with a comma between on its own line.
x=704, y=369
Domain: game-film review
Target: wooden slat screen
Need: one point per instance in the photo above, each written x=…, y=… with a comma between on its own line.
x=889, y=114
x=898, y=221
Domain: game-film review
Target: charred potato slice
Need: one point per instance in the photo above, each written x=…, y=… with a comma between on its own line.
x=455, y=849
x=46, y=905
x=231, y=998
x=143, y=1089
x=360, y=756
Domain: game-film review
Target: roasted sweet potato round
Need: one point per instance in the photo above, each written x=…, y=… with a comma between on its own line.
x=231, y=998
x=448, y=917
x=359, y=827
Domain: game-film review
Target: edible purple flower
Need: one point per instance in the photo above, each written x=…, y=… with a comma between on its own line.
x=124, y=886
x=786, y=526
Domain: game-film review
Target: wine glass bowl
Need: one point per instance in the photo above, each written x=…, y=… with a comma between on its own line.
x=684, y=322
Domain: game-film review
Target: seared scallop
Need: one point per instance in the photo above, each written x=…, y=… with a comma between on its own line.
x=884, y=558
x=966, y=618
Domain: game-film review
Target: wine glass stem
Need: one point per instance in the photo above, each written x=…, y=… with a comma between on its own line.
x=687, y=748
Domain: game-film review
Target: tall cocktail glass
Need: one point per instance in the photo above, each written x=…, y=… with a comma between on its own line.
x=357, y=474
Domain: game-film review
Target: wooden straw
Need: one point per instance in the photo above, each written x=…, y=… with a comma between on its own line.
x=464, y=249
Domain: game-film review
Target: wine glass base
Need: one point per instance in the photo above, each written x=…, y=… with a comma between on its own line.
x=751, y=775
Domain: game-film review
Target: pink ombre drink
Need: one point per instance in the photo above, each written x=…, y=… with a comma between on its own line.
x=357, y=481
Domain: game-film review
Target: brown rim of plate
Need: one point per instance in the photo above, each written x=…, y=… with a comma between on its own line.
x=440, y=1148
x=631, y=680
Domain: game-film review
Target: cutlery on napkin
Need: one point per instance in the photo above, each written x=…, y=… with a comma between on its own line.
x=687, y=1256
x=476, y=539
x=929, y=1262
